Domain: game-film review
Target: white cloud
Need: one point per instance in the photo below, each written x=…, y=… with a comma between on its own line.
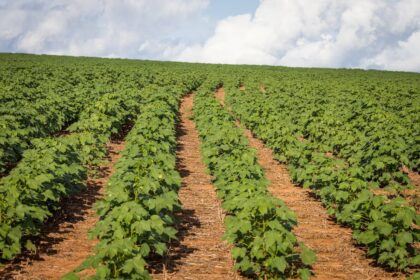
x=403, y=15
x=93, y=27
x=11, y=24
x=232, y=43
x=405, y=56
x=323, y=33
x=50, y=28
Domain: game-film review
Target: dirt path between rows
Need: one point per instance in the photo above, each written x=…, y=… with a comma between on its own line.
x=337, y=257
x=200, y=252
x=64, y=243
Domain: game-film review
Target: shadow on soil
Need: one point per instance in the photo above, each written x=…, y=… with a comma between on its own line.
x=177, y=251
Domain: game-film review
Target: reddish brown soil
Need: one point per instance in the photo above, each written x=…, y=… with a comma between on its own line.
x=63, y=245
x=415, y=178
x=242, y=88
x=200, y=252
x=337, y=256
x=220, y=96
x=413, y=198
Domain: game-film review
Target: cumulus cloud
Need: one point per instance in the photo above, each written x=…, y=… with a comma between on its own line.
x=404, y=56
x=94, y=27
x=321, y=33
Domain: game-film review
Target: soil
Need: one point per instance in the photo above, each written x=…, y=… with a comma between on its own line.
x=337, y=256
x=413, y=175
x=220, y=96
x=200, y=252
x=64, y=244
x=415, y=178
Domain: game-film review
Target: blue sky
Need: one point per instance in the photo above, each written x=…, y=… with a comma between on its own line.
x=201, y=25
x=311, y=33
x=221, y=9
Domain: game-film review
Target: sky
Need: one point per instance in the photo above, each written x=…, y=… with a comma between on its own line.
x=368, y=34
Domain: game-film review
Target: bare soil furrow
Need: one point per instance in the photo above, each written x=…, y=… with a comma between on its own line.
x=201, y=252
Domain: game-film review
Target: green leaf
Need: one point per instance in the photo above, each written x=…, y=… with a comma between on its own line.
x=383, y=227
x=160, y=248
x=70, y=276
x=404, y=238
x=30, y=246
x=366, y=237
x=102, y=272
x=279, y=263
x=144, y=249
x=304, y=273
x=139, y=264
x=307, y=256
x=415, y=260
x=238, y=252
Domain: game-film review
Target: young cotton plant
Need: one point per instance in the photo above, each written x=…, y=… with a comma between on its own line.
x=386, y=226
x=261, y=230
x=137, y=213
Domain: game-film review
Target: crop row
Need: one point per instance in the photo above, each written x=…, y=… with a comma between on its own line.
x=37, y=103
x=23, y=120
x=258, y=225
x=356, y=124
x=388, y=227
x=57, y=167
x=136, y=215
x=42, y=99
